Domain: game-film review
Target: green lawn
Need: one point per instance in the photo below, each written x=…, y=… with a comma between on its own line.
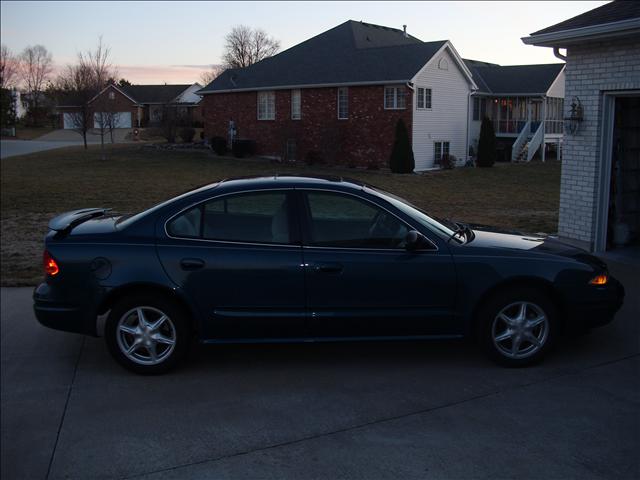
x=36, y=187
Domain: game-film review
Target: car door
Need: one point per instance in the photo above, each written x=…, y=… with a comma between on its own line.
x=238, y=256
x=361, y=281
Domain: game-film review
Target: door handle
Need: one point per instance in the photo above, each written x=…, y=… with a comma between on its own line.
x=191, y=263
x=328, y=268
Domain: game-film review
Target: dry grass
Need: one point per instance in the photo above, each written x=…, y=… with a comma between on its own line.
x=38, y=186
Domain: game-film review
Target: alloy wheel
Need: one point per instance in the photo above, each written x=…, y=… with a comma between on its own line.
x=146, y=335
x=520, y=330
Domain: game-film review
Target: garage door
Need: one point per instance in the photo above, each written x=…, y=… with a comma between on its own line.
x=67, y=119
x=120, y=119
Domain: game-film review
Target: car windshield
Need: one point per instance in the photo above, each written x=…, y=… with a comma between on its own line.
x=442, y=227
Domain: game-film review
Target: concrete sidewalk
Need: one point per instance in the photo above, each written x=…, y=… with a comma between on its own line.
x=379, y=410
x=56, y=139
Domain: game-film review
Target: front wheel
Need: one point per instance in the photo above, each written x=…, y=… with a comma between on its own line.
x=147, y=334
x=517, y=326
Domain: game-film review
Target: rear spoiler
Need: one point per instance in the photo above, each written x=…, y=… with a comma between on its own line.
x=64, y=223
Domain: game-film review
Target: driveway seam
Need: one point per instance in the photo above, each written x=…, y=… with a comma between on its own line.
x=64, y=411
x=386, y=419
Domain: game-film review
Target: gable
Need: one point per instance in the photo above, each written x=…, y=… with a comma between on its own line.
x=111, y=93
x=445, y=59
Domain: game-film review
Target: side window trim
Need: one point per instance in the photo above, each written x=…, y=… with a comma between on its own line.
x=294, y=221
x=305, y=212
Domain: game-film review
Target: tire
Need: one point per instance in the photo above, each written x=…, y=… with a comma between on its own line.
x=510, y=339
x=137, y=345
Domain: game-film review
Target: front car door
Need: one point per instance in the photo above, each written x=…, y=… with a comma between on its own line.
x=362, y=281
x=238, y=256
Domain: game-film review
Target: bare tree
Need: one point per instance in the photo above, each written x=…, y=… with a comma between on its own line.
x=246, y=46
x=8, y=68
x=80, y=84
x=75, y=87
x=210, y=75
x=102, y=70
x=36, y=65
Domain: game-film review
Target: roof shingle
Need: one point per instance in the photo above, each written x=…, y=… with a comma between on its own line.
x=153, y=93
x=353, y=52
x=615, y=11
x=514, y=79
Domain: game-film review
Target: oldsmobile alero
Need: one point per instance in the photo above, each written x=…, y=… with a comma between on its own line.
x=289, y=259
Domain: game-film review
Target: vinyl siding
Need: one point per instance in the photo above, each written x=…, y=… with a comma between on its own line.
x=447, y=118
x=557, y=87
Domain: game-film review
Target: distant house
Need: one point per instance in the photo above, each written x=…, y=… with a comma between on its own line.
x=525, y=104
x=138, y=105
x=338, y=96
x=600, y=185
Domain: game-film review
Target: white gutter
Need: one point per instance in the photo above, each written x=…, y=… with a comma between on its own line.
x=469, y=113
x=314, y=85
x=624, y=27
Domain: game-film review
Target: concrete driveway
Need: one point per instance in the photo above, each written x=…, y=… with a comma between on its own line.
x=55, y=139
x=385, y=410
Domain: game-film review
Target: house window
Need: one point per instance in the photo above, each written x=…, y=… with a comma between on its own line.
x=394, y=98
x=296, y=107
x=479, y=108
x=441, y=149
x=423, y=99
x=112, y=96
x=343, y=103
x=266, y=105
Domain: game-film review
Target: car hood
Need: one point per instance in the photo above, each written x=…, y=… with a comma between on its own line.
x=494, y=239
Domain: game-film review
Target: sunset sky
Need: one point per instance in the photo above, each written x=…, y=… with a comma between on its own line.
x=173, y=42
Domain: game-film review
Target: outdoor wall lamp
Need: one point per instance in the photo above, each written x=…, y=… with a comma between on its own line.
x=575, y=118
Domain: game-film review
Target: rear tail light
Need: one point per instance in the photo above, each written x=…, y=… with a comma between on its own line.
x=601, y=279
x=50, y=265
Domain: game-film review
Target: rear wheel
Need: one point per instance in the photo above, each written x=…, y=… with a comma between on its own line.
x=147, y=334
x=518, y=326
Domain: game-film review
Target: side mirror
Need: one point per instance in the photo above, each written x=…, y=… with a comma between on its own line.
x=415, y=240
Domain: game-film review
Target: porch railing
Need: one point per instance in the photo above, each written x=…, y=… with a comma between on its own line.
x=535, y=142
x=554, y=126
x=518, y=145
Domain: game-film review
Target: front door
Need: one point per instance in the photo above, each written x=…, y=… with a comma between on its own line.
x=239, y=258
x=362, y=282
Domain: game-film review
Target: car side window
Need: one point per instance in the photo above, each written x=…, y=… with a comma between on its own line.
x=260, y=217
x=343, y=221
x=186, y=225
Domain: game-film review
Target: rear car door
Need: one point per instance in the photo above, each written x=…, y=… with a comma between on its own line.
x=361, y=281
x=238, y=256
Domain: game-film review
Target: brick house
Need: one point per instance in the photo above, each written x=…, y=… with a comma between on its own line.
x=136, y=105
x=600, y=185
x=338, y=97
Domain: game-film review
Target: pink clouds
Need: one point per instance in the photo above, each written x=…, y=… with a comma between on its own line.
x=158, y=74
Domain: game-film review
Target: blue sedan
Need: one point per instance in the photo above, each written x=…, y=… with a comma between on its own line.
x=298, y=259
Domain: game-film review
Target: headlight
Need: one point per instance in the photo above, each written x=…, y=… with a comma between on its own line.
x=601, y=279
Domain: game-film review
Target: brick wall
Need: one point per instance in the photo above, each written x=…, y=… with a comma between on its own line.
x=592, y=68
x=364, y=139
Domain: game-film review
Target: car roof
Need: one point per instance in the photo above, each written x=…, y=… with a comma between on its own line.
x=286, y=180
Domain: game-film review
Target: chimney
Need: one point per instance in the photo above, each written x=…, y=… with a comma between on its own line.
x=404, y=29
